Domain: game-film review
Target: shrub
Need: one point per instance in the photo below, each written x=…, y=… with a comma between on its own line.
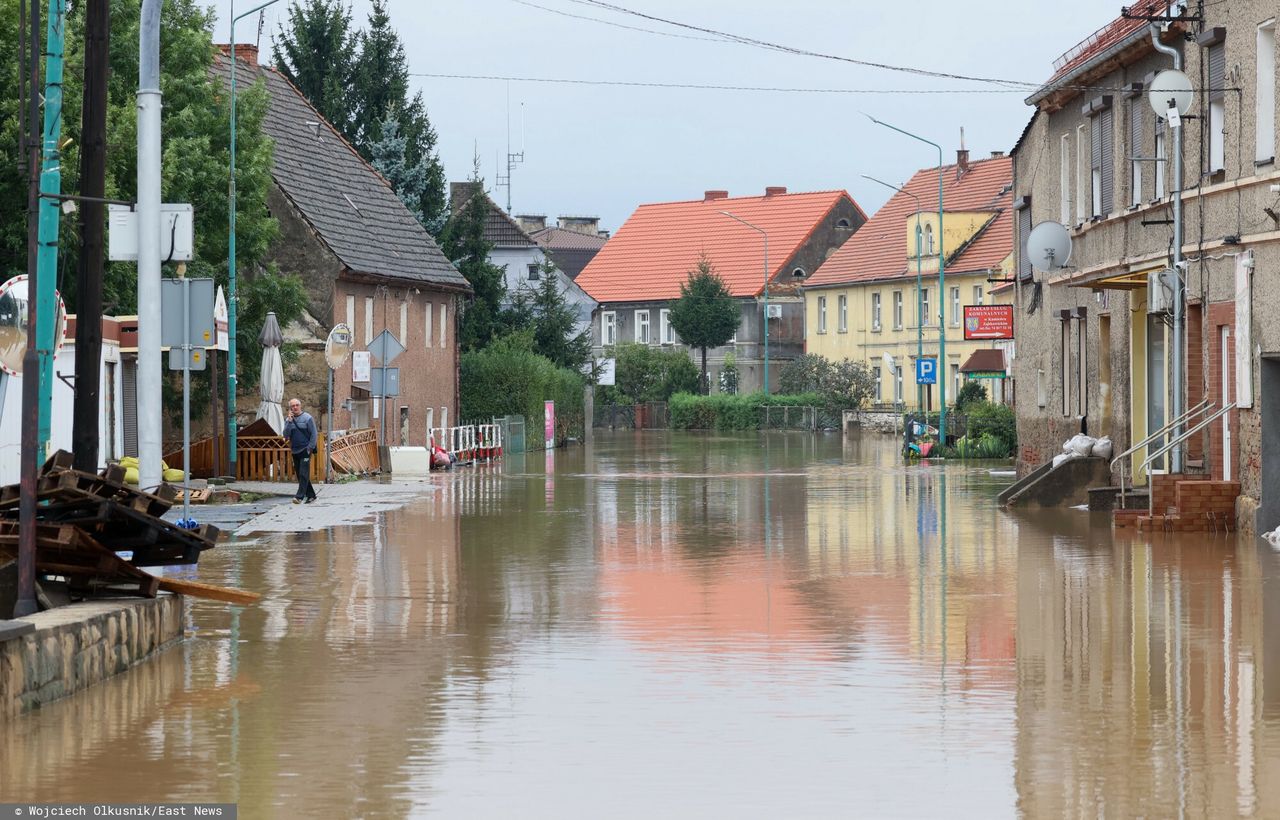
x=645, y=373
x=996, y=421
x=972, y=392
x=508, y=378
x=726, y=412
x=843, y=385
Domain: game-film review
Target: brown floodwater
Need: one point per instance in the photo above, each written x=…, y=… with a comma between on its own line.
x=685, y=625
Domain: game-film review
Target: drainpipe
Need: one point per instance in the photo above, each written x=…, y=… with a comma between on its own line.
x=149, y=104
x=1176, y=403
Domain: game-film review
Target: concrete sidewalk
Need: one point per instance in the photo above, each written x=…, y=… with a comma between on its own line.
x=336, y=504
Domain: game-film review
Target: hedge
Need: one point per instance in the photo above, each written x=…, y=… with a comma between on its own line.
x=726, y=412
x=508, y=379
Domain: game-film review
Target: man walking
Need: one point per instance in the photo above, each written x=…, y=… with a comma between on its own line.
x=300, y=430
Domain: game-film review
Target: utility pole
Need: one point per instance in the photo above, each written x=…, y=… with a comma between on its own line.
x=149, y=147
x=26, y=600
x=93, y=156
x=49, y=216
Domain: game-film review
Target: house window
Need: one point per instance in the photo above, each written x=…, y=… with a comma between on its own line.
x=642, y=327
x=1082, y=173
x=1265, y=108
x=1136, y=106
x=444, y=314
x=977, y=294
x=897, y=383
x=535, y=271
x=426, y=323
x=1064, y=179
x=955, y=307
x=928, y=240
x=1082, y=375
x=1161, y=157
x=955, y=381
x=1024, y=231
x=608, y=328
x=368, y=319
x=842, y=313
x=404, y=321
x=1065, y=350
x=822, y=314
x=1217, y=60
x=879, y=386
x=1101, y=167
x=351, y=314
x=924, y=307
x=665, y=335
x=875, y=312
x=897, y=310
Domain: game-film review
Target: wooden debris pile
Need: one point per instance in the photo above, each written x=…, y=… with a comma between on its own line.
x=85, y=519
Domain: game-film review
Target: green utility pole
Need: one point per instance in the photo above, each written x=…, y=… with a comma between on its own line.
x=762, y=232
x=942, y=288
x=50, y=191
x=919, y=291
x=232, y=299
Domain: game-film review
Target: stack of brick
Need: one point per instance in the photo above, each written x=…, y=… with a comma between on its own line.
x=1185, y=503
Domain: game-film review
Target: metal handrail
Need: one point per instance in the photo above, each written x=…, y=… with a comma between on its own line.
x=1175, y=442
x=1194, y=411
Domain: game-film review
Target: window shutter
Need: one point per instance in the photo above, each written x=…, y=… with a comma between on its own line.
x=1024, y=230
x=1217, y=71
x=129, y=396
x=1106, y=122
x=1095, y=143
x=1136, y=126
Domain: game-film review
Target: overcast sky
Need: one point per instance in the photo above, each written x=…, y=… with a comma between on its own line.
x=602, y=150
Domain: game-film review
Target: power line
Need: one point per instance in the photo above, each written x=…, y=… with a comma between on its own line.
x=563, y=13
x=765, y=44
x=711, y=87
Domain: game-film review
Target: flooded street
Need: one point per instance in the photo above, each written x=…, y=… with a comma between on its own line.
x=697, y=625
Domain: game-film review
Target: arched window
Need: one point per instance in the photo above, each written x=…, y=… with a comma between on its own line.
x=798, y=273
x=928, y=239
x=843, y=223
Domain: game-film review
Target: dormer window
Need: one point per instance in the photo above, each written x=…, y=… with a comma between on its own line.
x=928, y=240
x=843, y=223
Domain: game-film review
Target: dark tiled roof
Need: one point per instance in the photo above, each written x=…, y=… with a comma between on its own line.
x=500, y=229
x=984, y=360
x=349, y=205
x=557, y=238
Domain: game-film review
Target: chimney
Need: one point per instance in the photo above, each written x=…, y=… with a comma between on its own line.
x=962, y=161
x=588, y=225
x=713, y=195
x=997, y=154
x=460, y=193
x=530, y=223
x=775, y=190
x=245, y=52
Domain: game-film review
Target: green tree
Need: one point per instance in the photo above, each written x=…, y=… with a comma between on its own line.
x=388, y=156
x=554, y=321
x=645, y=373
x=359, y=81
x=464, y=243
x=316, y=52
x=706, y=314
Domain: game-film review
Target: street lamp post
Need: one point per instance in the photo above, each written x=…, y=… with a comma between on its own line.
x=766, y=292
x=231, y=251
x=942, y=287
x=919, y=289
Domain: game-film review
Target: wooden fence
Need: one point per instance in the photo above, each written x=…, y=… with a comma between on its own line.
x=267, y=458
x=356, y=452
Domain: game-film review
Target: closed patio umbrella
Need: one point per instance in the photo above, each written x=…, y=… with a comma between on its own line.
x=271, y=380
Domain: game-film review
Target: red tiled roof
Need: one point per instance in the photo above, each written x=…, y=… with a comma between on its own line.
x=1104, y=38
x=879, y=249
x=652, y=253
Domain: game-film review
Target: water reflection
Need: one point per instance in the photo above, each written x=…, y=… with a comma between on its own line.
x=697, y=625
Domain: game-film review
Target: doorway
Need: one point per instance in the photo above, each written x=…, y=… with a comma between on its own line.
x=1269, y=407
x=1228, y=376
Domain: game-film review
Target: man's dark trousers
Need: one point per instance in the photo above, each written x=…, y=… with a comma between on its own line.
x=302, y=466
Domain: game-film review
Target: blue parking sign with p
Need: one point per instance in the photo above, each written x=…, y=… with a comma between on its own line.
x=926, y=371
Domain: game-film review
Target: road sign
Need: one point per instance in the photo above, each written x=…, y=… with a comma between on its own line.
x=926, y=371
x=220, y=320
x=385, y=348
x=384, y=375
x=988, y=322
x=197, y=358
x=200, y=322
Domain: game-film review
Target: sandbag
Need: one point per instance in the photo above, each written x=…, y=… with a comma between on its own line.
x=173, y=476
x=129, y=461
x=1058, y=459
x=1081, y=444
x=131, y=475
x=1102, y=448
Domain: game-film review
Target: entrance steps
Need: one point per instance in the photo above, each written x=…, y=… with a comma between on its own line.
x=1066, y=485
x=1184, y=503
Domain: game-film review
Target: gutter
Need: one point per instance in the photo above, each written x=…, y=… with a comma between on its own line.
x=1137, y=36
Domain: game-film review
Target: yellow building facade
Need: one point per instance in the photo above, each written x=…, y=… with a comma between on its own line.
x=877, y=300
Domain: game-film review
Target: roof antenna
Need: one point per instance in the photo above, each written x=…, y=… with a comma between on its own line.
x=513, y=158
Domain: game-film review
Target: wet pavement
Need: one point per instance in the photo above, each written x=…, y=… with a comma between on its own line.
x=690, y=625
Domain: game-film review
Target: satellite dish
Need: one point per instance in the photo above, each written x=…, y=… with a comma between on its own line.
x=13, y=324
x=1170, y=85
x=889, y=364
x=338, y=346
x=1048, y=246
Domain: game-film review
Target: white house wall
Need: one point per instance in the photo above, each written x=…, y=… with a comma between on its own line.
x=60, y=421
x=516, y=262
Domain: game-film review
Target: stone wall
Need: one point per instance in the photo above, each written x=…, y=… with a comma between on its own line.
x=76, y=646
x=874, y=420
